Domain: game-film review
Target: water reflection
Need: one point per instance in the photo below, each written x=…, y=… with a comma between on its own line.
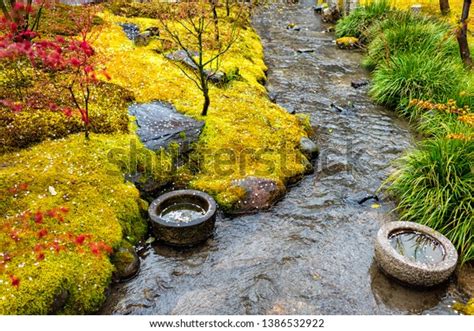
x=417, y=247
x=401, y=298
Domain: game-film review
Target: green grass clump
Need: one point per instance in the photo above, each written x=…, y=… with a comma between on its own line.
x=415, y=37
x=434, y=185
x=424, y=76
x=359, y=21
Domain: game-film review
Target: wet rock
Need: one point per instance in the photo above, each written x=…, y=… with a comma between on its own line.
x=331, y=14
x=273, y=96
x=338, y=108
x=140, y=39
x=59, y=301
x=131, y=30
x=318, y=9
x=293, y=27
x=216, y=77
x=260, y=193
x=160, y=124
x=305, y=50
x=359, y=83
x=126, y=263
x=309, y=148
x=347, y=42
x=366, y=198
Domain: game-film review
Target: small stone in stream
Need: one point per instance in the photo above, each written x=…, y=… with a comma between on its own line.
x=126, y=263
x=330, y=29
x=260, y=193
x=293, y=27
x=359, y=83
x=309, y=148
x=338, y=108
x=305, y=50
x=318, y=9
x=367, y=198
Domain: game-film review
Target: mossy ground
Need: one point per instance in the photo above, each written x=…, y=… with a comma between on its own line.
x=241, y=120
x=75, y=175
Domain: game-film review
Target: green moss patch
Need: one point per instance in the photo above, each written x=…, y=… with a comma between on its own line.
x=64, y=206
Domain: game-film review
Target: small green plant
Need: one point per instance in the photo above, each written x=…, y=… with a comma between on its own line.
x=424, y=76
x=434, y=184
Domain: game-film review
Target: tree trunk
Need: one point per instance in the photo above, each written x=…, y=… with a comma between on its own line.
x=216, y=19
x=462, y=35
x=207, y=102
x=227, y=7
x=444, y=6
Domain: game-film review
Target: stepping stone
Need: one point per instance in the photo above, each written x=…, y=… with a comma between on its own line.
x=160, y=124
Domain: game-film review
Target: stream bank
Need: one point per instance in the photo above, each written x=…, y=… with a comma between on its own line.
x=313, y=252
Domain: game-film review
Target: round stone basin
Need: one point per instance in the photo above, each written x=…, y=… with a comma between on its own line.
x=414, y=254
x=183, y=217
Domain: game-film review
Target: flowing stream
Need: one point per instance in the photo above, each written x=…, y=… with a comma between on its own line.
x=313, y=252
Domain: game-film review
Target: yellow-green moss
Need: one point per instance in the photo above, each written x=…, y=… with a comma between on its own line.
x=108, y=114
x=241, y=117
x=467, y=309
x=89, y=182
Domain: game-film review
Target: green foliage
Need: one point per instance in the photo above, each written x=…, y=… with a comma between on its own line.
x=358, y=22
x=424, y=76
x=412, y=37
x=434, y=184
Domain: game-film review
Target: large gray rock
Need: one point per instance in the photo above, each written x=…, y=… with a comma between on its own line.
x=260, y=194
x=160, y=124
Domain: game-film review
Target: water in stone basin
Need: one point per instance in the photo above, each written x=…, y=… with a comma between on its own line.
x=182, y=212
x=417, y=247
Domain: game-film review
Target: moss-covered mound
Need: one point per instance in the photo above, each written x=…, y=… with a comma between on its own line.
x=245, y=133
x=64, y=206
x=29, y=126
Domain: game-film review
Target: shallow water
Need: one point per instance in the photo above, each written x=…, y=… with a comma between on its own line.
x=313, y=252
x=417, y=247
x=182, y=212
